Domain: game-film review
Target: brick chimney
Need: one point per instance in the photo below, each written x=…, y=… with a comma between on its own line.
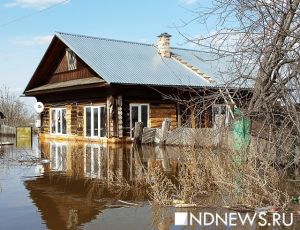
x=163, y=45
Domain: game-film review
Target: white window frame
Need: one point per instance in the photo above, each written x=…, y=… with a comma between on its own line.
x=56, y=123
x=139, y=105
x=70, y=54
x=92, y=120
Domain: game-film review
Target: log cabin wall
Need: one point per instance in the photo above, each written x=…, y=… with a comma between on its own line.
x=45, y=120
x=74, y=117
x=118, y=122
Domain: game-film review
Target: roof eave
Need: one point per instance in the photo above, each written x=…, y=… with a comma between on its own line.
x=63, y=89
x=40, y=63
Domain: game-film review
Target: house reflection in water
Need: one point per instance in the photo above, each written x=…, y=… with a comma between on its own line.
x=108, y=162
x=61, y=194
x=58, y=157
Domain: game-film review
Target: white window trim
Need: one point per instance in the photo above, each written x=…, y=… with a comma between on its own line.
x=92, y=120
x=56, y=125
x=139, y=115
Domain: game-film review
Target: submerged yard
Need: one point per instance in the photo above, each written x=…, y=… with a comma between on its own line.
x=90, y=186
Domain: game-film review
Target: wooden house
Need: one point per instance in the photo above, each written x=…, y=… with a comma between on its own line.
x=97, y=88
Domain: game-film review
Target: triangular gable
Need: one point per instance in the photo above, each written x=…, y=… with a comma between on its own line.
x=53, y=67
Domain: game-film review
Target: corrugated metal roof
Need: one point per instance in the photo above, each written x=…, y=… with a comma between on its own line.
x=125, y=62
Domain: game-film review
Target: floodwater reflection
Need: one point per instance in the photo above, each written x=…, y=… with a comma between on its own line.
x=88, y=160
x=63, y=193
x=75, y=188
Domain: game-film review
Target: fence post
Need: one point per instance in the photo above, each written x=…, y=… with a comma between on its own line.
x=138, y=132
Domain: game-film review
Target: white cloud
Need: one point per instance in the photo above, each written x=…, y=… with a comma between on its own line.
x=188, y=2
x=37, y=40
x=40, y=4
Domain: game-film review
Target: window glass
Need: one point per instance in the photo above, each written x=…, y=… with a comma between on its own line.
x=134, y=115
x=58, y=117
x=88, y=121
x=64, y=121
x=71, y=58
x=144, y=115
x=139, y=113
x=102, y=122
x=96, y=121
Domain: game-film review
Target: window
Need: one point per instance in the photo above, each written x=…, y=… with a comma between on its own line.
x=220, y=114
x=95, y=121
x=139, y=113
x=58, y=156
x=58, y=121
x=71, y=58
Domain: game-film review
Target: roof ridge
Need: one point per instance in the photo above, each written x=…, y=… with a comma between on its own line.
x=186, y=49
x=124, y=41
x=101, y=38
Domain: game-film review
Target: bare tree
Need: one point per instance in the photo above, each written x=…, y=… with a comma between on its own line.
x=256, y=46
x=15, y=112
x=258, y=42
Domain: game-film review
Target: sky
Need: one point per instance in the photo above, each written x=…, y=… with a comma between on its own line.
x=27, y=27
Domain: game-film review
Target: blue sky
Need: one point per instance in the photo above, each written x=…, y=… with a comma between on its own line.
x=27, y=26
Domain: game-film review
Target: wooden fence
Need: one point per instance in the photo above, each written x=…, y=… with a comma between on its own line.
x=7, y=131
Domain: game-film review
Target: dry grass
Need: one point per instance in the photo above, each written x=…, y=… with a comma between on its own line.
x=239, y=178
x=242, y=178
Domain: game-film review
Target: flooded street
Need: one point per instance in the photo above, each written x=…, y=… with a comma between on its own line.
x=85, y=186
x=59, y=194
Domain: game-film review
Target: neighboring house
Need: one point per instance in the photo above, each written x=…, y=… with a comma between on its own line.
x=97, y=88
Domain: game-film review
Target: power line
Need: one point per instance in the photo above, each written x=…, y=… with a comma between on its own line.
x=32, y=14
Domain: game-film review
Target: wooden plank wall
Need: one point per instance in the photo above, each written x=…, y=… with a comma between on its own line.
x=62, y=73
x=7, y=131
x=160, y=111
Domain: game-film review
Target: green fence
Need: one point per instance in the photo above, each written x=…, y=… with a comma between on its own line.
x=241, y=131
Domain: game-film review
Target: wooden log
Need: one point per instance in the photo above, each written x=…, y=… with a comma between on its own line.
x=165, y=127
x=120, y=116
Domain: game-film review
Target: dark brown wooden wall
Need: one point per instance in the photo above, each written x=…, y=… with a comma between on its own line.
x=63, y=74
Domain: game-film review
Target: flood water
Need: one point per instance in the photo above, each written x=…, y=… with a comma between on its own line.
x=61, y=193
